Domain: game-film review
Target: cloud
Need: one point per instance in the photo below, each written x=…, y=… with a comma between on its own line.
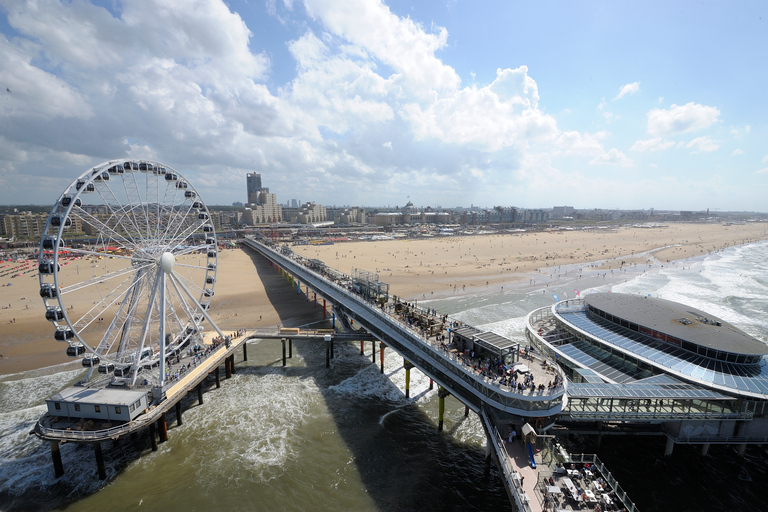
x=680, y=119
x=627, y=89
x=655, y=144
x=612, y=157
x=762, y=171
x=737, y=152
x=703, y=145
x=398, y=42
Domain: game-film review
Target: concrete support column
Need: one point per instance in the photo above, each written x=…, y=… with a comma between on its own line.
x=327, y=352
x=283, y=340
x=218, y=380
x=741, y=449
x=179, y=422
x=245, y=351
x=441, y=394
x=227, y=369
x=382, y=346
x=58, y=466
x=407, y=367
x=100, y=461
x=431, y=384
x=200, y=394
x=290, y=348
x=333, y=320
x=232, y=364
x=162, y=427
x=325, y=309
x=153, y=436
x=466, y=411
x=362, y=348
x=373, y=352
x=705, y=449
x=670, y=446
x=314, y=296
x=333, y=350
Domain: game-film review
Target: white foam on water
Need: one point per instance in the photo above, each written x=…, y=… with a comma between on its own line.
x=370, y=382
x=249, y=431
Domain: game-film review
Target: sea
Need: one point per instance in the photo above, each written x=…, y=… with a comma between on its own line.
x=306, y=437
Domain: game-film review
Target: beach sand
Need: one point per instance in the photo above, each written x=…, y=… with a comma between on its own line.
x=442, y=266
x=249, y=293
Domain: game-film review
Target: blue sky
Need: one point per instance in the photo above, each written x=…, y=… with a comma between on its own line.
x=532, y=104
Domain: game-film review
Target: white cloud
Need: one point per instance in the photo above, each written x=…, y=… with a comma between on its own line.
x=762, y=171
x=398, y=42
x=765, y=159
x=737, y=152
x=612, y=157
x=703, y=145
x=628, y=89
x=490, y=118
x=655, y=144
x=680, y=119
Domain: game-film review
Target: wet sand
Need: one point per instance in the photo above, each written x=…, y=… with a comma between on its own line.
x=429, y=267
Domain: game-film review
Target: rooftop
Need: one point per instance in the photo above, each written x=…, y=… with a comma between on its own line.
x=681, y=321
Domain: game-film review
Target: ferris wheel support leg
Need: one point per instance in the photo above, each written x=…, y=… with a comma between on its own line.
x=196, y=303
x=163, y=341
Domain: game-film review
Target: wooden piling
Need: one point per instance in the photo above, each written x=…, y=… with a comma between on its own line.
x=58, y=466
x=200, y=394
x=100, y=461
x=218, y=380
x=162, y=427
x=178, y=414
x=283, y=340
x=153, y=437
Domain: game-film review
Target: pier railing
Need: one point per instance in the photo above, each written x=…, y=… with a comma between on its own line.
x=591, y=458
x=446, y=368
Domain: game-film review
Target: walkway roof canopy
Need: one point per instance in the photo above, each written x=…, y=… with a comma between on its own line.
x=488, y=340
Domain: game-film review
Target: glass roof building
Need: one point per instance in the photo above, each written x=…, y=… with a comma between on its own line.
x=623, y=346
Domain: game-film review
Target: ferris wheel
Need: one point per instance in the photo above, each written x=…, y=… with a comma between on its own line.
x=144, y=252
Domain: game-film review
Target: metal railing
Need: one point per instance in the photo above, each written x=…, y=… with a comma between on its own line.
x=421, y=352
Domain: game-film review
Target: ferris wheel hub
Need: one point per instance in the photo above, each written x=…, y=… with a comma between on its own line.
x=167, y=260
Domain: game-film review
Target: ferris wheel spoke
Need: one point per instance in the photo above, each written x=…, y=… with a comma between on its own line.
x=192, y=285
x=98, y=308
x=195, y=267
x=103, y=278
x=122, y=213
x=101, y=254
x=185, y=234
x=199, y=308
x=189, y=250
x=104, y=229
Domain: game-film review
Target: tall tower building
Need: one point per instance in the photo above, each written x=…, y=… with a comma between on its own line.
x=253, y=182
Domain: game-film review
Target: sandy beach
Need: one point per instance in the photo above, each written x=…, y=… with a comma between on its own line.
x=249, y=293
x=443, y=266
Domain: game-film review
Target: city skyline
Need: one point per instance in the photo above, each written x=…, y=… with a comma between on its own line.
x=598, y=105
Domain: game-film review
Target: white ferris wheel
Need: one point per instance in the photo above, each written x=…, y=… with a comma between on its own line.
x=144, y=252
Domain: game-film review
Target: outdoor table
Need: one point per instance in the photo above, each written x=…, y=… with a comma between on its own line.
x=590, y=496
x=571, y=488
x=572, y=472
x=598, y=486
x=553, y=489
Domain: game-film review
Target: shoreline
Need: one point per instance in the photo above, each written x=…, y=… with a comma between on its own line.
x=250, y=294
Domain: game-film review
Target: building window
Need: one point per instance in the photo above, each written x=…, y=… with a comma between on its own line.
x=118, y=411
x=57, y=406
x=77, y=407
x=97, y=408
